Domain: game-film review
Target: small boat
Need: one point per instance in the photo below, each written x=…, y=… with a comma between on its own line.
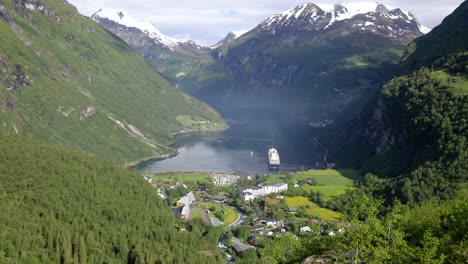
x=273, y=159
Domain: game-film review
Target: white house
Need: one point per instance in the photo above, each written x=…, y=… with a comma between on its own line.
x=252, y=193
x=185, y=203
x=305, y=229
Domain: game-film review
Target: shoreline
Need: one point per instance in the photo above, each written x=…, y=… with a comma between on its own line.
x=132, y=164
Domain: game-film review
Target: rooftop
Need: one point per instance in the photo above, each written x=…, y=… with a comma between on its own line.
x=187, y=199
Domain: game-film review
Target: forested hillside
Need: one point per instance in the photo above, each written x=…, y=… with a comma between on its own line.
x=414, y=134
x=65, y=80
x=432, y=233
x=62, y=206
x=445, y=39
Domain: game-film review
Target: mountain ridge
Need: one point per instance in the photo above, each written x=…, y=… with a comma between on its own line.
x=148, y=28
x=294, y=58
x=312, y=12
x=414, y=132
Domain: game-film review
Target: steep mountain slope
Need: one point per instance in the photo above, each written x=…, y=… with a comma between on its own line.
x=415, y=132
x=230, y=37
x=447, y=38
x=171, y=57
x=141, y=35
x=321, y=60
x=316, y=61
x=65, y=80
x=62, y=206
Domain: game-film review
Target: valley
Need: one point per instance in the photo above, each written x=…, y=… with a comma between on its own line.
x=121, y=144
x=243, y=147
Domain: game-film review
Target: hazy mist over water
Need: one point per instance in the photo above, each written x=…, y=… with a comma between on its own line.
x=243, y=147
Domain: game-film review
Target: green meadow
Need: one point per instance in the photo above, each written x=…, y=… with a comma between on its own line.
x=312, y=209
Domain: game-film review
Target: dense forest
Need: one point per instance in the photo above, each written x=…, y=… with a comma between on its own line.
x=61, y=206
x=431, y=233
x=413, y=135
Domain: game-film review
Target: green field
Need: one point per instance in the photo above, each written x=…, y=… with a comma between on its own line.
x=329, y=182
x=327, y=191
x=321, y=177
x=229, y=218
x=458, y=83
x=189, y=178
x=313, y=210
x=196, y=214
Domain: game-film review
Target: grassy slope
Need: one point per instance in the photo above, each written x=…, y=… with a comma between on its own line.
x=230, y=216
x=330, y=183
x=58, y=58
x=313, y=210
x=321, y=177
x=459, y=83
x=61, y=204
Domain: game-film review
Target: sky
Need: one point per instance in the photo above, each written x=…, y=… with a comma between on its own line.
x=208, y=21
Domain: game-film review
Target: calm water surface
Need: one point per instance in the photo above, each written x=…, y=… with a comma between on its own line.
x=243, y=148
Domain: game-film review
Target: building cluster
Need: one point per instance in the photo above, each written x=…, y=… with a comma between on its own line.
x=185, y=205
x=223, y=179
x=252, y=193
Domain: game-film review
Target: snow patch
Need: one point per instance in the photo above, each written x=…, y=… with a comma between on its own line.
x=424, y=29
x=239, y=33
x=338, y=12
x=146, y=27
x=180, y=74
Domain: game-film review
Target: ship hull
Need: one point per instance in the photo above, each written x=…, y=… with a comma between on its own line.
x=273, y=167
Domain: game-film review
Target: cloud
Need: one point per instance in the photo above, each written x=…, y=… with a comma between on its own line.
x=207, y=21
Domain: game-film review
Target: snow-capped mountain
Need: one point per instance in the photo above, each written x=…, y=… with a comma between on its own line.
x=230, y=37
x=364, y=16
x=139, y=31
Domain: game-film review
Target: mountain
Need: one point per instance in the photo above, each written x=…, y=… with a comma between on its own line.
x=230, y=37
x=317, y=61
x=414, y=133
x=171, y=57
x=63, y=206
x=141, y=35
x=65, y=80
x=447, y=38
x=365, y=16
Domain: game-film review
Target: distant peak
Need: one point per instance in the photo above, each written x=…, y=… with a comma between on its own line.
x=314, y=15
x=230, y=37
x=148, y=28
x=239, y=33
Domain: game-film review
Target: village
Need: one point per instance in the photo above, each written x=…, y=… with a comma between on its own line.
x=255, y=209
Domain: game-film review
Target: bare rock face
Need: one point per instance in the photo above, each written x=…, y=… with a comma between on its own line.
x=134, y=37
x=144, y=40
x=16, y=79
x=4, y=14
x=382, y=131
x=24, y=7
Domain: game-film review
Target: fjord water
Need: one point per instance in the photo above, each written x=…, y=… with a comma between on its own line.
x=243, y=147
